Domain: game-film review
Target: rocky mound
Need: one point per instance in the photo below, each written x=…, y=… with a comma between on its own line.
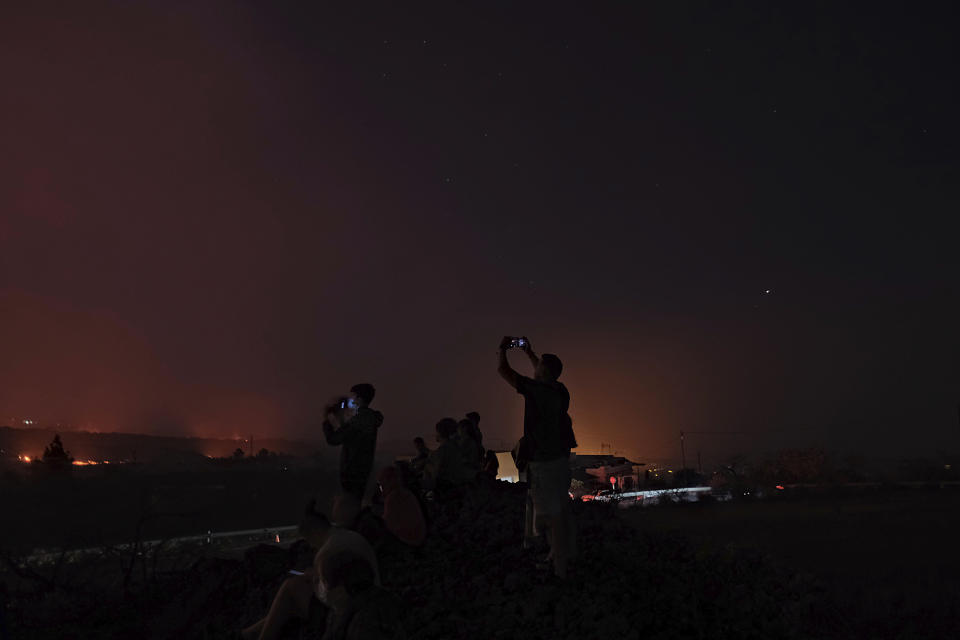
x=475, y=581
x=472, y=579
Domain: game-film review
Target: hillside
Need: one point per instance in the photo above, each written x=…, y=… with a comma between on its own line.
x=84, y=445
x=470, y=580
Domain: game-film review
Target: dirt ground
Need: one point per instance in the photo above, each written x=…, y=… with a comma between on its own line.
x=81, y=512
x=889, y=557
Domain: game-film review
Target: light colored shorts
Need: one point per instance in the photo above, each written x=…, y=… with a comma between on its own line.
x=549, y=484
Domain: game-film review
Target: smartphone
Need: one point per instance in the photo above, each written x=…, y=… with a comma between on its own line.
x=518, y=343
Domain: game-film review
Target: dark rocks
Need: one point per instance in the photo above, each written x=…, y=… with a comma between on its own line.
x=265, y=562
x=473, y=568
x=513, y=581
x=472, y=579
x=301, y=554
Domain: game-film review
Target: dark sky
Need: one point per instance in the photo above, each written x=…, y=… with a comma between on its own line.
x=217, y=216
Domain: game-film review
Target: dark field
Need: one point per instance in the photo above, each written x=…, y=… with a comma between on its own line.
x=889, y=558
x=877, y=563
x=100, y=508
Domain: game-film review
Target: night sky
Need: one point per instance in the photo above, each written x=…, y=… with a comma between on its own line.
x=215, y=217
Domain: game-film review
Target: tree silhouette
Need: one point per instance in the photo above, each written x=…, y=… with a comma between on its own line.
x=54, y=457
x=238, y=454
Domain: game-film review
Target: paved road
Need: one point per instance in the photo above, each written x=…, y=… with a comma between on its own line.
x=224, y=541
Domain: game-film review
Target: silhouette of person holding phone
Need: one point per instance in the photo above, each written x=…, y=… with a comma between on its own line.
x=547, y=440
x=351, y=424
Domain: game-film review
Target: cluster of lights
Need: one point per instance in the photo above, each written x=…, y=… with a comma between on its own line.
x=656, y=472
x=78, y=463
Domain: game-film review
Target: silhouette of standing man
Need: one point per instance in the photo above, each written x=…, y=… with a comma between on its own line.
x=356, y=432
x=548, y=434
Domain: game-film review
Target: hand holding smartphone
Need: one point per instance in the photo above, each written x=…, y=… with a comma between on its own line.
x=509, y=342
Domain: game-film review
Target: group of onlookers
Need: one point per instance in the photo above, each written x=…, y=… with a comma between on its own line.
x=459, y=458
x=345, y=575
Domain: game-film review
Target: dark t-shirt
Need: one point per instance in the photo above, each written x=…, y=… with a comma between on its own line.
x=546, y=424
x=358, y=438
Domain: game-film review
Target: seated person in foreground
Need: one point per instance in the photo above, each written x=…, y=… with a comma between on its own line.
x=359, y=609
x=295, y=595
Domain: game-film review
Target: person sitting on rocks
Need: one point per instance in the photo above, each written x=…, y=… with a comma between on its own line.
x=470, y=457
x=474, y=419
x=442, y=471
x=296, y=593
x=402, y=523
x=359, y=609
x=423, y=453
x=491, y=465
